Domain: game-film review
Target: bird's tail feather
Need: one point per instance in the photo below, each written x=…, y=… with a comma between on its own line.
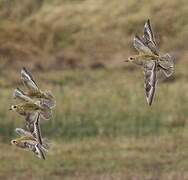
x=46, y=113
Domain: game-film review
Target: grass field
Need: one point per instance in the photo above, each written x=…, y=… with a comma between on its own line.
x=103, y=129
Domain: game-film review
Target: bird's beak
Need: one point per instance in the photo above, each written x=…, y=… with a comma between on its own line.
x=10, y=109
x=126, y=60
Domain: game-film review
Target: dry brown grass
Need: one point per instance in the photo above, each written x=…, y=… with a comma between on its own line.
x=162, y=157
x=65, y=33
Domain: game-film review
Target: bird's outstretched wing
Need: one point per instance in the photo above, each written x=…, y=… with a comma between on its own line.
x=149, y=38
x=39, y=152
x=148, y=32
x=22, y=132
x=19, y=94
x=30, y=118
x=166, y=63
x=140, y=46
x=37, y=129
x=33, y=126
x=150, y=71
x=36, y=149
x=28, y=80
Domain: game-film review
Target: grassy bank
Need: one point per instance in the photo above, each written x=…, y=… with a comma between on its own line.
x=82, y=33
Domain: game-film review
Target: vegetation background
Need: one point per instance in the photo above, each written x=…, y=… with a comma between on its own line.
x=102, y=127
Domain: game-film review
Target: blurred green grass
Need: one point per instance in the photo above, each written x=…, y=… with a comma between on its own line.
x=106, y=103
x=102, y=127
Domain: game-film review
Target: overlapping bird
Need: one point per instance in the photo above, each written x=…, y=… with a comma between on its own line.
x=151, y=60
x=35, y=105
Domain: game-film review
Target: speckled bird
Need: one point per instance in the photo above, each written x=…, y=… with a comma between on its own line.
x=29, y=107
x=33, y=90
x=34, y=133
x=30, y=145
x=151, y=60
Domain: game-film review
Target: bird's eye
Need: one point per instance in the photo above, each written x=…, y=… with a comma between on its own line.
x=131, y=58
x=14, y=107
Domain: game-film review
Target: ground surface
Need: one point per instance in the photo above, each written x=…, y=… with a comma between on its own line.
x=103, y=129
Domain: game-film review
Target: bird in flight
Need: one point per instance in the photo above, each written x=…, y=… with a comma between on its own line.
x=34, y=133
x=28, y=108
x=32, y=141
x=34, y=105
x=33, y=90
x=151, y=60
x=30, y=145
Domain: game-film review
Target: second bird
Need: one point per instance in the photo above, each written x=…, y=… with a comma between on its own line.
x=151, y=61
